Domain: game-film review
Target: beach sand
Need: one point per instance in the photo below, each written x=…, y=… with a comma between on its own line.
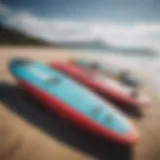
x=21, y=140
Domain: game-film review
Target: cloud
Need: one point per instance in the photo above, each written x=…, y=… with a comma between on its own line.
x=138, y=34
x=49, y=29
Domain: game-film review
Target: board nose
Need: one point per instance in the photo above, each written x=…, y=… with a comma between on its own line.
x=17, y=62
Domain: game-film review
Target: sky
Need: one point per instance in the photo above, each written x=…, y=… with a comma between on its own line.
x=121, y=22
x=113, y=10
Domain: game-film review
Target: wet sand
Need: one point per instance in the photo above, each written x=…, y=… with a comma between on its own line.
x=22, y=140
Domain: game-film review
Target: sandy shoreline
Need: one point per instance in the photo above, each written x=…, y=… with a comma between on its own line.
x=149, y=144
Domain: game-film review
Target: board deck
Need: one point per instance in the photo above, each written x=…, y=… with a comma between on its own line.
x=81, y=99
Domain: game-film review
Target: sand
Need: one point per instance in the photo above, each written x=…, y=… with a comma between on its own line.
x=22, y=140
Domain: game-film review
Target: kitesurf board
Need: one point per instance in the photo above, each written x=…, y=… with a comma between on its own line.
x=65, y=96
x=103, y=85
x=110, y=70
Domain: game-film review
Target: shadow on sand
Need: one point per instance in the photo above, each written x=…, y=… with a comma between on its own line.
x=17, y=100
